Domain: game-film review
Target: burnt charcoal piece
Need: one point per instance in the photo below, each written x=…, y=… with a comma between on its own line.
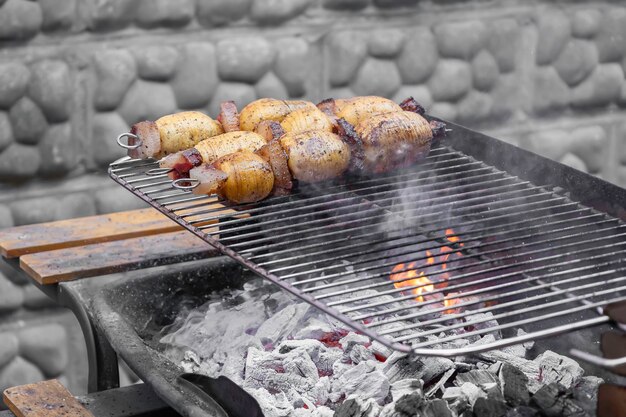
x=436, y=408
x=611, y=401
x=349, y=408
x=477, y=377
x=613, y=346
x=522, y=411
x=549, y=399
x=485, y=407
x=409, y=404
x=513, y=383
x=410, y=104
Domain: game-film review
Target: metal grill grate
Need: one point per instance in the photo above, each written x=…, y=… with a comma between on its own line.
x=498, y=253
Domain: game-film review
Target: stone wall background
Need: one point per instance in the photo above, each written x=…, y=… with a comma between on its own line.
x=548, y=76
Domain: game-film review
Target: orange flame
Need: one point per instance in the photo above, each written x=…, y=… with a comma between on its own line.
x=451, y=302
x=410, y=277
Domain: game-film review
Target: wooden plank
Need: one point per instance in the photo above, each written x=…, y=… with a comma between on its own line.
x=68, y=264
x=18, y=241
x=43, y=399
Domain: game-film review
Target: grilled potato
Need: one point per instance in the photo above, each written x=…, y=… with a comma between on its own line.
x=393, y=140
x=268, y=109
x=210, y=150
x=315, y=155
x=172, y=133
x=307, y=118
x=354, y=110
x=241, y=177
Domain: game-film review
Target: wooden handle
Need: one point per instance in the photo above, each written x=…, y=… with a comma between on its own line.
x=43, y=399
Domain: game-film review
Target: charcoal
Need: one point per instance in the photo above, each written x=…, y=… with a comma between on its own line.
x=522, y=411
x=453, y=394
x=358, y=354
x=485, y=407
x=409, y=404
x=513, y=383
x=320, y=391
x=353, y=408
x=586, y=393
x=494, y=368
x=477, y=377
x=283, y=323
x=323, y=411
x=267, y=370
x=472, y=393
x=549, y=399
x=400, y=366
x=558, y=368
x=406, y=386
x=272, y=405
x=439, y=384
x=363, y=378
x=436, y=408
x=352, y=339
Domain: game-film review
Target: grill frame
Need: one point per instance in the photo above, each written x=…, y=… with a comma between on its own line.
x=488, y=151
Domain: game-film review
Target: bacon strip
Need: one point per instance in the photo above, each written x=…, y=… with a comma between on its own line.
x=410, y=104
x=347, y=133
x=229, y=117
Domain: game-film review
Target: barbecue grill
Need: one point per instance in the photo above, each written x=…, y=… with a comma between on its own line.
x=534, y=243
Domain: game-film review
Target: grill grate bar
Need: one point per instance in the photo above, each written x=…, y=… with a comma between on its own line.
x=519, y=244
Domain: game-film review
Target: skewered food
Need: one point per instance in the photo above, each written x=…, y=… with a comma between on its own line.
x=212, y=149
x=393, y=140
x=354, y=110
x=171, y=133
x=274, y=153
x=241, y=177
x=268, y=109
x=315, y=155
x=307, y=118
x=228, y=117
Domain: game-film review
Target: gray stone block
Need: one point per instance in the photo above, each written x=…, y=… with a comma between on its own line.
x=75, y=205
x=384, y=4
x=240, y=93
x=244, y=59
x=108, y=15
x=156, y=63
x=601, y=88
x=58, y=14
x=550, y=92
x=385, y=43
x=586, y=22
x=14, y=78
x=346, y=52
x=20, y=20
x=345, y=4
x=6, y=219
x=221, y=12
x=419, y=56
x=196, y=77
x=549, y=143
x=156, y=13
x=446, y=111
x=147, y=100
x=611, y=37
x=28, y=121
x=11, y=299
x=554, y=31
x=485, y=71
x=46, y=347
x=6, y=132
x=105, y=128
x=51, y=88
x=19, y=372
x=591, y=144
x=294, y=65
x=377, y=77
x=577, y=60
x=475, y=107
x=506, y=96
x=19, y=162
x=503, y=41
x=9, y=348
x=34, y=210
x=419, y=92
x=115, y=199
x=460, y=39
x=115, y=71
x=268, y=12
x=59, y=151
x=451, y=80
x=271, y=86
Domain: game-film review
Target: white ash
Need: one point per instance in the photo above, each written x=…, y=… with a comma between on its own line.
x=298, y=362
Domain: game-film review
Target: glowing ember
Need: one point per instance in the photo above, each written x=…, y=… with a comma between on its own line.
x=451, y=302
x=408, y=276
